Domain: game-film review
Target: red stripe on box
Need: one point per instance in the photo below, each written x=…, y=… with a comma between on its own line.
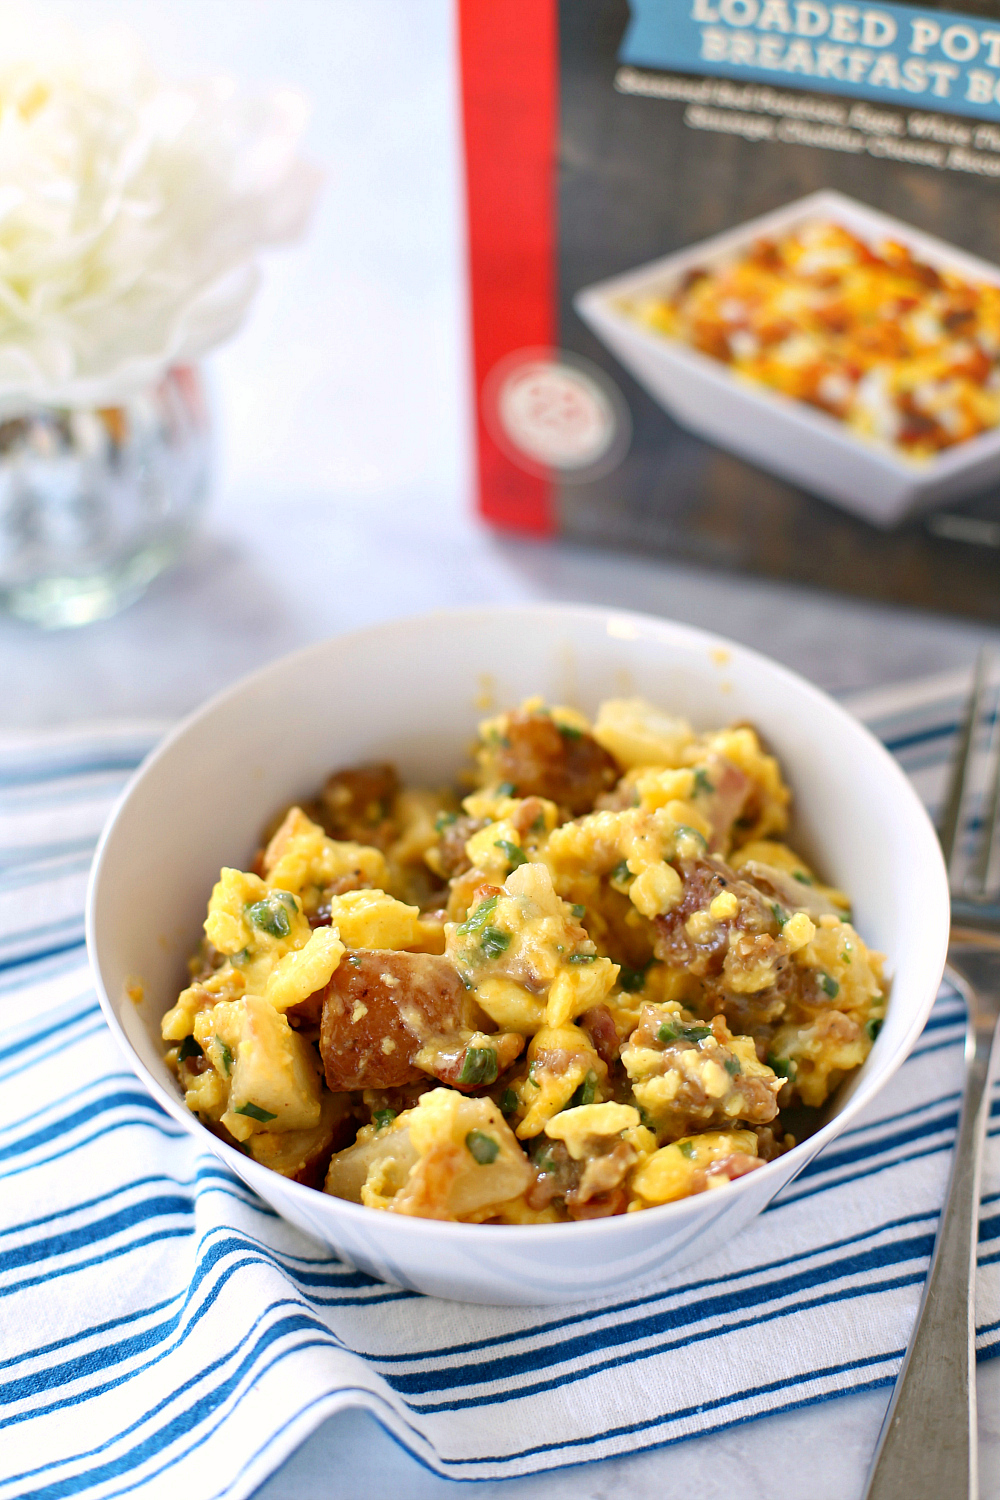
x=509, y=58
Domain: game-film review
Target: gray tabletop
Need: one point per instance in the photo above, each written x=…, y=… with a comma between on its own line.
x=341, y=497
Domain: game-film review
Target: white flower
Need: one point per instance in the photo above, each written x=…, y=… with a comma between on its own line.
x=131, y=213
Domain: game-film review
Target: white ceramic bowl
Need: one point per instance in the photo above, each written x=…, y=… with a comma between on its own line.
x=807, y=446
x=412, y=691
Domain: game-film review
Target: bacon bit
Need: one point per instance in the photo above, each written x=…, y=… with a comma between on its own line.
x=738, y=1164
x=600, y=1027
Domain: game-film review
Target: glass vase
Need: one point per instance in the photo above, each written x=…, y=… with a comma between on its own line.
x=95, y=503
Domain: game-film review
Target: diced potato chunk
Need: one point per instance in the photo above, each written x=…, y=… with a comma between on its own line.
x=273, y=1082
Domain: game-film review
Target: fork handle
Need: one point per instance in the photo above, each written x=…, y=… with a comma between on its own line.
x=927, y=1447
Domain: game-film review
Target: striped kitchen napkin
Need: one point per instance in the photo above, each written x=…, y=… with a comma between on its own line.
x=162, y=1332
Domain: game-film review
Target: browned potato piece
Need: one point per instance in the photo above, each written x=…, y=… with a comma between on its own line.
x=566, y=766
x=379, y=1009
x=357, y=804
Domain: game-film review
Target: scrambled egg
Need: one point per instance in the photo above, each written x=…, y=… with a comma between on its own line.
x=901, y=352
x=589, y=987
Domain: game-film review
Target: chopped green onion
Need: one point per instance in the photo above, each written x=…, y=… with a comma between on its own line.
x=582, y=958
x=783, y=1066
x=732, y=1066
x=506, y=788
x=189, y=1048
x=227, y=1057
x=874, y=1026
x=621, y=872
x=383, y=1117
x=483, y=1147
x=578, y=911
x=686, y=1148
x=828, y=985
x=584, y=1094
x=254, y=1112
x=494, y=942
x=569, y=732
x=515, y=854
x=479, y=917
x=444, y=820
x=631, y=980
x=539, y=823
x=271, y=914
x=778, y=914
x=676, y=1031
x=508, y=1101
x=683, y=830
x=353, y=959
x=802, y=878
x=480, y=1066
x=701, y=782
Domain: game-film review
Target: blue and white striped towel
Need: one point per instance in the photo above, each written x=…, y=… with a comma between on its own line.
x=162, y=1332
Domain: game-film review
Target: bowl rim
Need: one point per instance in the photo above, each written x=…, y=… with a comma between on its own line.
x=597, y=300
x=623, y=624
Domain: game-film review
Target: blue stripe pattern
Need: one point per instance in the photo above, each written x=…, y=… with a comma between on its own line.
x=165, y=1332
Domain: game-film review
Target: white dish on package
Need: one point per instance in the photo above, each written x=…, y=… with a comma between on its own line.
x=809, y=447
x=411, y=691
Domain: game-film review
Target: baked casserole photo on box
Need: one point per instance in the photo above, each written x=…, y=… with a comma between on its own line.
x=840, y=348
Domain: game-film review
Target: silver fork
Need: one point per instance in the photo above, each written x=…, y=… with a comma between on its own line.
x=927, y=1447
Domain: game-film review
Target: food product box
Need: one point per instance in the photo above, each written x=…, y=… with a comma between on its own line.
x=735, y=284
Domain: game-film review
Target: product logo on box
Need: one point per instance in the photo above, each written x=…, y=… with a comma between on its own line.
x=552, y=412
x=939, y=60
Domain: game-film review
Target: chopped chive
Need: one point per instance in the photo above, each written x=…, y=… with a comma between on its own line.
x=701, y=782
x=539, y=823
x=271, y=914
x=828, y=985
x=732, y=1066
x=444, y=820
x=783, y=1066
x=581, y=958
x=254, y=1112
x=480, y=1066
x=353, y=959
x=383, y=1117
x=227, y=1057
x=508, y=1101
x=802, y=878
x=494, y=942
x=873, y=1027
x=686, y=1148
x=479, y=917
x=621, y=872
x=568, y=732
x=684, y=830
x=676, y=1031
x=189, y=1048
x=578, y=911
x=584, y=1094
x=515, y=854
x=631, y=980
x=483, y=1147
x=506, y=789
x=778, y=914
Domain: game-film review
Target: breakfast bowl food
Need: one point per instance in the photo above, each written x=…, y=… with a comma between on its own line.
x=494, y=1031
